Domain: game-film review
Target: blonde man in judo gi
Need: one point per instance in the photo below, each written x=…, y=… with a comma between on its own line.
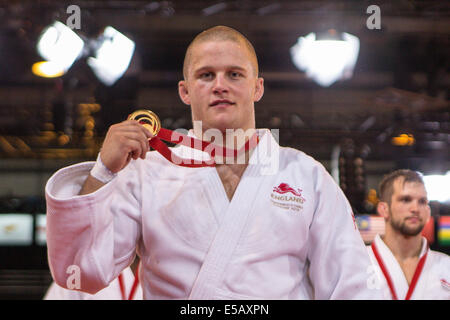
x=274, y=226
x=407, y=268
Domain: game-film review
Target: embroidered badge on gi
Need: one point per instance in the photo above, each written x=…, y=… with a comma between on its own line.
x=445, y=284
x=287, y=197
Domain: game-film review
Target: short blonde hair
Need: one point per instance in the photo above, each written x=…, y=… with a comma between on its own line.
x=220, y=33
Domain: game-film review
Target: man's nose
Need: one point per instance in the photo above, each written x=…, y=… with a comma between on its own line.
x=220, y=84
x=414, y=206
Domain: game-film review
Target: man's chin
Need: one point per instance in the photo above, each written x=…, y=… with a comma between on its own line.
x=412, y=231
x=406, y=229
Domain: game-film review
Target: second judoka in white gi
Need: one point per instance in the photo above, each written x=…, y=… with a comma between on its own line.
x=404, y=264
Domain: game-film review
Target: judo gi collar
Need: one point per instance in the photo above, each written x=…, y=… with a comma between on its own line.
x=423, y=256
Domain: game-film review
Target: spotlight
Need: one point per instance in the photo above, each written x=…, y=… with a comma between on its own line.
x=47, y=69
x=404, y=139
x=109, y=55
x=326, y=57
x=60, y=45
x=112, y=56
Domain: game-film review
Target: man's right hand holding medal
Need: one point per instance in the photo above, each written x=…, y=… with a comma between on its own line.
x=124, y=141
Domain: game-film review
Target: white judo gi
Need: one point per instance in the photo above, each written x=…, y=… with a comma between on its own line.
x=430, y=282
x=112, y=292
x=287, y=233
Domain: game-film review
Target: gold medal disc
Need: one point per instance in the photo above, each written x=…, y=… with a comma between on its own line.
x=148, y=119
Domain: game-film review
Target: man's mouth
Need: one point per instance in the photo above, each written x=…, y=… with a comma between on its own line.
x=413, y=219
x=222, y=102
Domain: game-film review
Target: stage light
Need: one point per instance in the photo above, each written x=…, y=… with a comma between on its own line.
x=438, y=187
x=403, y=140
x=112, y=56
x=60, y=45
x=47, y=69
x=326, y=57
x=109, y=55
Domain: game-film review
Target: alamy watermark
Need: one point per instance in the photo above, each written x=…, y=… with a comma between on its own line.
x=374, y=20
x=74, y=20
x=374, y=280
x=74, y=279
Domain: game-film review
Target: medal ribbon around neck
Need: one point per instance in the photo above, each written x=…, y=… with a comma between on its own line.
x=150, y=121
x=389, y=281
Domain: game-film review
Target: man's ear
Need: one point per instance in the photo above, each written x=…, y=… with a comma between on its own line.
x=259, y=89
x=383, y=209
x=183, y=92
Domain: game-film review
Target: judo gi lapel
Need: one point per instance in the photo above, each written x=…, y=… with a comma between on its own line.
x=210, y=182
x=421, y=282
x=392, y=267
x=393, y=271
x=234, y=219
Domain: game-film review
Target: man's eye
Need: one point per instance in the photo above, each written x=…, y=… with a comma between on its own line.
x=235, y=74
x=206, y=75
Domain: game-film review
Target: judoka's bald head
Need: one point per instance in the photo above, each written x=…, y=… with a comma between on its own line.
x=221, y=33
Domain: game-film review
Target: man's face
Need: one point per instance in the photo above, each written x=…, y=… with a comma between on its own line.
x=221, y=86
x=409, y=210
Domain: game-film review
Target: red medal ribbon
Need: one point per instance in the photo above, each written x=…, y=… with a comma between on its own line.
x=133, y=288
x=135, y=283
x=416, y=276
x=178, y=138
x=122, y=287
x=414, y=280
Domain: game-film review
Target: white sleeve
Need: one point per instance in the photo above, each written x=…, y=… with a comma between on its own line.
x=91, y=238
x=339, y=262
x=56, y=292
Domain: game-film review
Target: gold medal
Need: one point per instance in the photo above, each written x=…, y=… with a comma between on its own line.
x=148, y=119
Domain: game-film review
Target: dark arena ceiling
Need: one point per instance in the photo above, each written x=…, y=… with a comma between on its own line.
x=400, y=83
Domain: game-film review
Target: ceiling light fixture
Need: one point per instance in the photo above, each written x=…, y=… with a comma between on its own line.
x=109, y=55
x=112, y=56
x=326, y=57
x=60, y=45
x=47, y=69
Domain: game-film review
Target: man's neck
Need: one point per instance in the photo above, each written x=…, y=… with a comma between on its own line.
x=403, y=247
x=229, y=138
